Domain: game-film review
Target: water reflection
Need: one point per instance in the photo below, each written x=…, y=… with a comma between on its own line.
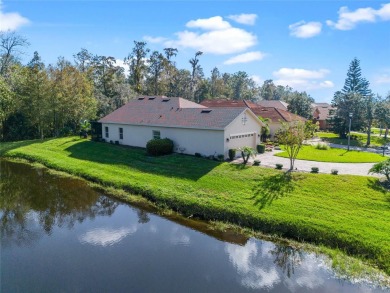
x=106, y=236
x=36, y=202
x=82, y=241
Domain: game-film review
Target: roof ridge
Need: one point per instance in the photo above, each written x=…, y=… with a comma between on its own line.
x=277, y=110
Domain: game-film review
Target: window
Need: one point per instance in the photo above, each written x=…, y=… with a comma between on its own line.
x=106, y=131
x=120, y=133
x=156, y=134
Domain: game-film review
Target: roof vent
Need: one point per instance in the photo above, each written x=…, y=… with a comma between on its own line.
x=206, y=111
x=141, y=98
x=151, y=98
x=165, y=100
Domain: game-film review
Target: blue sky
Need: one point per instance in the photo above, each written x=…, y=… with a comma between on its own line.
x=307, y=45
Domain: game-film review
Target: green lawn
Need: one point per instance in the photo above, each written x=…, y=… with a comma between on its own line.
x=357, y=139
x=334, y=155
x=347, y=212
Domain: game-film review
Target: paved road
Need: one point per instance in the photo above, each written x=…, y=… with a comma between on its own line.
x=268, y=159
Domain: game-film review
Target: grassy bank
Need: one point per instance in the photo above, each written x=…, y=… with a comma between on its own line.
x=347, y=212
x=310, y=153
x=357, y=139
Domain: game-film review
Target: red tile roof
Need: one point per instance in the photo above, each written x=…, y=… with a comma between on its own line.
x=322, y=111
x=276, y=115
x=273, y=104
x=172, y=112
x=273, y=113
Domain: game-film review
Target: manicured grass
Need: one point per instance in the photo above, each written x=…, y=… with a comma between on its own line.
x=334, y=155
x=347, y=212
x=357, y=139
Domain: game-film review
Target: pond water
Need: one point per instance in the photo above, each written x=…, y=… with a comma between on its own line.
x=59, y=235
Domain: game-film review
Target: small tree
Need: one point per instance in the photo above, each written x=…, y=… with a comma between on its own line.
x=382, y=168
x=292, y=137
x=85, y=127
x=246, y=153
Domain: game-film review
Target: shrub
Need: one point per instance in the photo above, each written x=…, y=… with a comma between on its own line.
x=256, y=163
x=232, y=154
x=117, y=142
x=260, y=148
x=334, y=171
x=198, y=155
x=322, y=146
x=247, y=152
x=382, y=168
x=314, y=169
x=159, y=147
x=111, y=141
x=221, y=157
x=279, y=166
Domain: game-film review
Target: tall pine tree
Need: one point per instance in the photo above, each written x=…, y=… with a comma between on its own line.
x=356, y=98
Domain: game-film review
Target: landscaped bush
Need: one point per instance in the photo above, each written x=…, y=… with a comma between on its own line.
x=232, y=154
x=279, y=166
x=159, y=147
x=117, y=142
x=220, y=157
x=256, y=163
x=334, y=171
x=322, y=146
x=261, y=148
x=198, y=155
x=314, y=169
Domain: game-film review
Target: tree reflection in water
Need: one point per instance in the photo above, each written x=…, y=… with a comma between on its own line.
x=287, y=258
x=33, y=202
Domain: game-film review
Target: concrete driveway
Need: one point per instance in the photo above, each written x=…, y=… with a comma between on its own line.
x=268, y=159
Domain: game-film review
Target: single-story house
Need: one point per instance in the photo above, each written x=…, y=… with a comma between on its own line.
x=323, y=113
x=192, y=127
x=275, y=115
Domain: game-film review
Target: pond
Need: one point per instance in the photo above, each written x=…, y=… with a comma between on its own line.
x=60, y=235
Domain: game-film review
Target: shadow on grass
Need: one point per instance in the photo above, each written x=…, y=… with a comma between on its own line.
x=272, y=188
x=174, y=165
x=380, y=186
x=8, y=146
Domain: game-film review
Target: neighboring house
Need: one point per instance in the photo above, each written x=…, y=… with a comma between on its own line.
x=192, y=127
x=274, y=104
x=275, y=115
x=323, y=113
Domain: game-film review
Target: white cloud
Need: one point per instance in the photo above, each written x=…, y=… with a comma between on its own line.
x=212, y=23
x=302, y=79
x=11, y=21
x=154, y=40
x=383, y=79
x=257, y=79
x=105, y=236
x=384, y=12
x=218, y=37
x=349, y=19
x=297, y=73
x=121, y=63
x=245, y=58
x=254, y=274
x=179, y=237
x=302, y=29
x=248, y=19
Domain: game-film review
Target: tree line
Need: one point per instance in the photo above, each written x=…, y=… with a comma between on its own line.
x=39, y=100
x=356, y=102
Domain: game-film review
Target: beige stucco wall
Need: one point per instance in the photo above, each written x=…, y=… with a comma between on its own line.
x=186, y=140
x=274, y=127
x=251, y=126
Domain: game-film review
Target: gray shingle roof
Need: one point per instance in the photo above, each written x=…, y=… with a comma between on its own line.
x=172, y=112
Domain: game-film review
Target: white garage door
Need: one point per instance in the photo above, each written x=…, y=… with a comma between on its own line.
x=242, y=139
